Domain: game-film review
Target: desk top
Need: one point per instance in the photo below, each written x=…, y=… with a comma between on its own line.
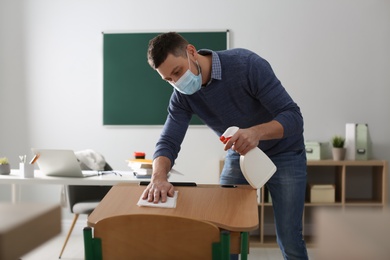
x=106, y=179
x=233, y=209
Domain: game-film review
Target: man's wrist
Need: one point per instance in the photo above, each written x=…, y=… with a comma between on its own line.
x=159, y=176
x=161, y=167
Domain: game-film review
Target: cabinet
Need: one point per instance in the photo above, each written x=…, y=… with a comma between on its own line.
x=360, y=184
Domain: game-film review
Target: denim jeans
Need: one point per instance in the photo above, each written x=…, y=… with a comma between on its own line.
x=287, y=187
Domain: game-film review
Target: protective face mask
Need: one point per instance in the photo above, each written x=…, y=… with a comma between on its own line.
x=189, y=83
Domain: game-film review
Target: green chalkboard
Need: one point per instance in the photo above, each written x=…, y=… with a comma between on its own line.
x=134, y=93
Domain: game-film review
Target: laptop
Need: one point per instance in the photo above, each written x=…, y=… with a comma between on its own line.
x=60, y=163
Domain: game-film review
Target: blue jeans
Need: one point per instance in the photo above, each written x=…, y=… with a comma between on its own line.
x=287, y=187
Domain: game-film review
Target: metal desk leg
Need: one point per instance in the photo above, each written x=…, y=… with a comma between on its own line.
x=225, y=242
x=15, y=193
x=244, y=245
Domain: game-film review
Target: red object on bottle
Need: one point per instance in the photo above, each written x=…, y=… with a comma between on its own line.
x=224, y=139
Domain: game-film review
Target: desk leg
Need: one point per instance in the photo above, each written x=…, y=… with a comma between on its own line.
x=15, y=193
x=225, y=241
x=244, y=245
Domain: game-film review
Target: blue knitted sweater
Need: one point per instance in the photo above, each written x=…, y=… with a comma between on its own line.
x=243, y=91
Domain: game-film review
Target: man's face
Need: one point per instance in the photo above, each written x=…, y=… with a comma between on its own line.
x=174, y=67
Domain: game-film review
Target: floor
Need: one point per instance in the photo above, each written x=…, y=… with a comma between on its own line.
x=74, y=251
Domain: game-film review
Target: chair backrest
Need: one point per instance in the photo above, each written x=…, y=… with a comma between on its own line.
x=85, y=193
x=156, y=237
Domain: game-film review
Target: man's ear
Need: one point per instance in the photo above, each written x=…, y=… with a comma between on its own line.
x=192, y=51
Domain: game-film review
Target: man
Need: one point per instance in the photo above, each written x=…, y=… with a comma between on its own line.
x=233, y=88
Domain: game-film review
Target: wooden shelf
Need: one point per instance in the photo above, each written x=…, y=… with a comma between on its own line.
x=360, y=184
x=380, y=163
x=324, y=204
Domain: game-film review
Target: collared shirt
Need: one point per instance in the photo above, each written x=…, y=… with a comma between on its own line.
x=216, y=69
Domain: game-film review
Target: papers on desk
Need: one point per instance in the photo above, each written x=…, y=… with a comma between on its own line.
x=170, y=203
x=142, y=168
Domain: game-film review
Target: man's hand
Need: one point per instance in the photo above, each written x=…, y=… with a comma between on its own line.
x=245, y=140
x=159, y=187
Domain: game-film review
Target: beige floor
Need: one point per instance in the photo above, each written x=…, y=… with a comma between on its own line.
x=74, y=251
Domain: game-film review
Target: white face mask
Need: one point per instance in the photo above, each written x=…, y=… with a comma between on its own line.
x=189, y=83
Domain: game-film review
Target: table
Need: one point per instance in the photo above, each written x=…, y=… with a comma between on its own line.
x=233, y=209
x=25, y=226
x=15, y=179
x=40, y=178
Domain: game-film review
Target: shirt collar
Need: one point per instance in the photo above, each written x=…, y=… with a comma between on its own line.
x=216, y=69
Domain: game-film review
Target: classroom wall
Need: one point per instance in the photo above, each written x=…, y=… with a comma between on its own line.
x=332, y=57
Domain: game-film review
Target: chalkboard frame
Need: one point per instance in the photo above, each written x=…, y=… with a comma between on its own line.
x=133, y=93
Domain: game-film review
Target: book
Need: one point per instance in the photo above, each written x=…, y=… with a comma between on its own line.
x=141, y=167
x=143, y=173
x=140, y=163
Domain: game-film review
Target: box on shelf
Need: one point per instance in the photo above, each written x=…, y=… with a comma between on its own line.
x=320, y=193
x=316, y=150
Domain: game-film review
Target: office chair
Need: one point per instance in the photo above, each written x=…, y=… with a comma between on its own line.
x=155, y=237
x=83, y=200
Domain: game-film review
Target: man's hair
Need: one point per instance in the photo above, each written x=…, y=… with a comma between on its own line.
x=164, y=44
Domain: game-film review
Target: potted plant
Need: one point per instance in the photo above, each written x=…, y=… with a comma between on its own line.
x=4, y=166
x=338, y=150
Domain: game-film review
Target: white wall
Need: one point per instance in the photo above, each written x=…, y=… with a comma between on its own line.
x=332, y=56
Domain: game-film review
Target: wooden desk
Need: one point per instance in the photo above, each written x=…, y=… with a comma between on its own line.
x=23, y=227
x=233, y=209
x=40, y=178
